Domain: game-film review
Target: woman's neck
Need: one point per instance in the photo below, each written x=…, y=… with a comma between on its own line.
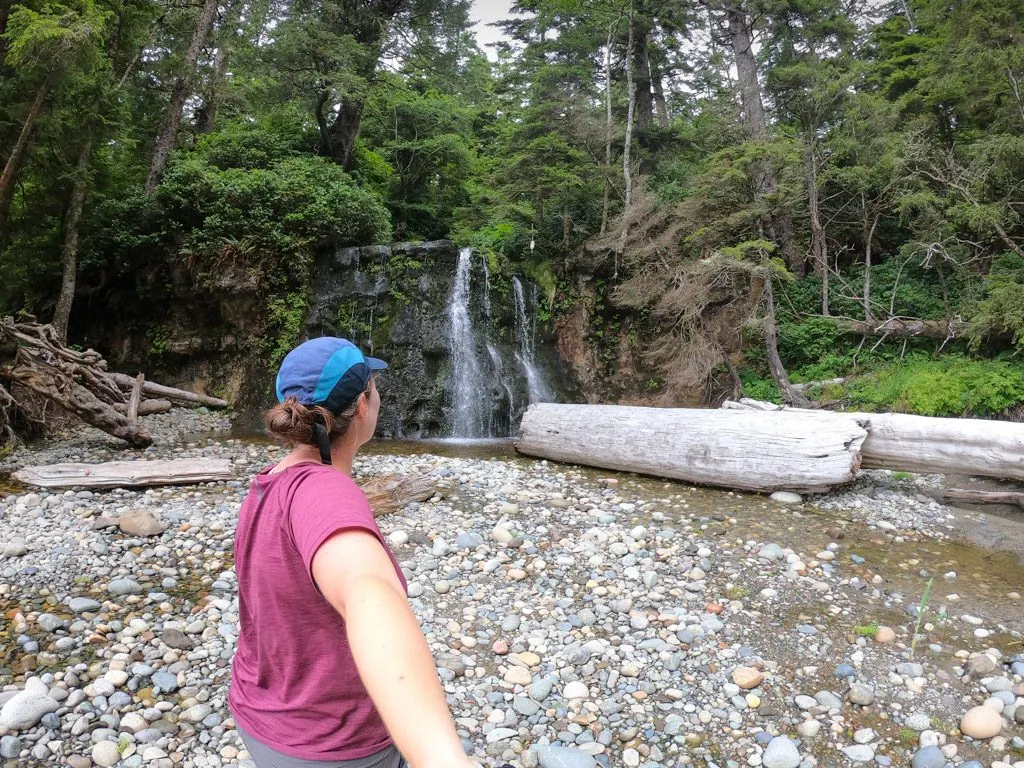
x=342, y=453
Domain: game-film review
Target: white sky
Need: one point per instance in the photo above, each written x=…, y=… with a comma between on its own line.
x=485, y=12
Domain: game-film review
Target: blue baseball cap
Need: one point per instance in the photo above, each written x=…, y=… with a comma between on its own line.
x=327, y=371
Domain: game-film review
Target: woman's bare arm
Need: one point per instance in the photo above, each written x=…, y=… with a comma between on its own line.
x=356, y=576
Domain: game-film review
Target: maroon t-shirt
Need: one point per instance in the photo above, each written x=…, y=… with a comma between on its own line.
x=295, y=685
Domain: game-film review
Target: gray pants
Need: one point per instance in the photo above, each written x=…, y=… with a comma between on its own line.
x=265, y=757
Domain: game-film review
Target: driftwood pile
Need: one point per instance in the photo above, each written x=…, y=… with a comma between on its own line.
x=80, y=383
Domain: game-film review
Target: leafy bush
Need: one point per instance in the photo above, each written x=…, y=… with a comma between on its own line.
x=1002, y=309
x=950, y=386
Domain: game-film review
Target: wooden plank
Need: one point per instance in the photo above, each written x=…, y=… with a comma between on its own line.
x=127, y=474
x=181, y=396
x=135, y=399
x=771, y=451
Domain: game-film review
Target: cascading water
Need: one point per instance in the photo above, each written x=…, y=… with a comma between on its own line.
x=467, y=385
x=497, y=363
x=487, y=288
x=538, y=389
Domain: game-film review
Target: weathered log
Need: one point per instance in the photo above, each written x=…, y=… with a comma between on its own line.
x=984, y=497
x=790, y=450
x=391, y=493
x=927, y=444
x=127, y=474
x=902, y=328
x=54, y=384
x=807, y=385
x=181, y=396
x=147, y=407
x=135, y=399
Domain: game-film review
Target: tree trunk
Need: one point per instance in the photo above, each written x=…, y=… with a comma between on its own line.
x=819, y=246
x=343, y=132
x=787, y=450
x=771, y=346
x=869, y=235
x=214, y=96
x=180, y=396
x=643, y=95
x=660, y=103
x=778, y=223
x=69, y=250
x=627, y=171
x=607, y=130
x=13, y=163
x=168, y=134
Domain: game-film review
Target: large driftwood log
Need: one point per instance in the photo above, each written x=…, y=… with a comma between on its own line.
x=127, y=474
x=791, y=450
x=984, y=497
x=927, y=444
x=391, y=493
x=181, y=396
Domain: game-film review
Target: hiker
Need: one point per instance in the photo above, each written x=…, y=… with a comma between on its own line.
x=331, y=668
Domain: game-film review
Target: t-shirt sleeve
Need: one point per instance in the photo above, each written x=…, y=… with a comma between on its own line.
x=322, y=504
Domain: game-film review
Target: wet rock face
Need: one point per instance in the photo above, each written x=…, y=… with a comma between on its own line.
x=393, y=301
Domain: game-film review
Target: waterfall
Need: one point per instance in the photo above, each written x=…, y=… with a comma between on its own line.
x=538, y=389
x=467, y=385
x=496, y=361
x=487, y=288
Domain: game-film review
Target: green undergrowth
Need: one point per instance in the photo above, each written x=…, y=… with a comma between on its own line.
x=951, y=384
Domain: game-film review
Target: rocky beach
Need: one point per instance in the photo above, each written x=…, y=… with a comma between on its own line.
x=578, y=618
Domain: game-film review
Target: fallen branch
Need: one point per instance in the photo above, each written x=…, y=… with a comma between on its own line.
x=135, y=399
x=902, y=328
x=391, y=493
x=127, y=474
x=146, y=407
x=814, y=384
x=180, y=396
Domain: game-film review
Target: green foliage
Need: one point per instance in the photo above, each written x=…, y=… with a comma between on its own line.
x=285, y=318
x=866, y=630
x=1001, y=311
x=949, y=386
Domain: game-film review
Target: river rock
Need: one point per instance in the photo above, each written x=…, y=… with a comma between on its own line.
x=981, y=723
x=27, y=707
x=885, y=635
x=786, y=497
x=105, y=754
x=928, y=757
x=175, y=638
x=83, y=605
x=781, y=753
x=859, y=753
x=563, y=757
x=140, y=522
x=518, y=676
x=124, y=587
x=861, y=694
x=576, y=690
x=981, y=665
x=747, y=677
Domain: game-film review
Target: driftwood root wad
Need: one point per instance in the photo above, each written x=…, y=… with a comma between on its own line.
x=765, y=452
x=388, y=494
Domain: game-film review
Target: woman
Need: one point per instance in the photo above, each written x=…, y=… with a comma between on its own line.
x=331, y=669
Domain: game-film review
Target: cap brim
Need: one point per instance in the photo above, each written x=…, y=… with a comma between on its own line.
x=375, y=364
